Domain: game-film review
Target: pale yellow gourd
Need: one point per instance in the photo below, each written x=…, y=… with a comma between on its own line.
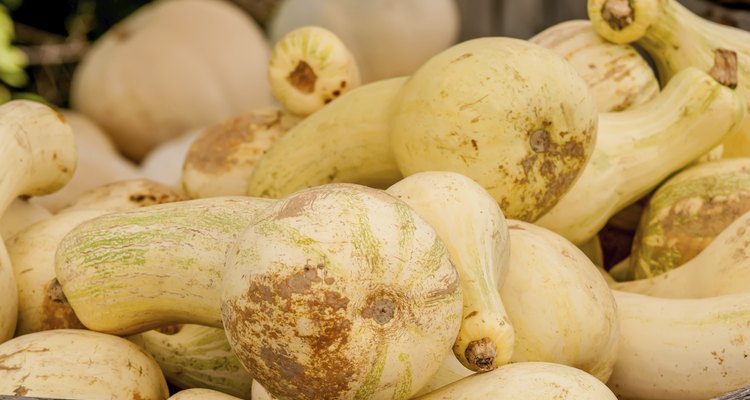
x=561, y=307
x=345, y=270
x=638, y=148
x=19, y=215
x=309, y=68
x=345, y=141
x=618, y=77
x=510, y=114
x=474, y=229
x=41, y=302
x=681, y=349
x=78, y=364
x=527, y=381
x=37, y=156
x=125, y=195
x=221, y=159
x=676, y=38
x=207, y=61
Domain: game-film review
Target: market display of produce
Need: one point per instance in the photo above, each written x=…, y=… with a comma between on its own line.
x=311, y=210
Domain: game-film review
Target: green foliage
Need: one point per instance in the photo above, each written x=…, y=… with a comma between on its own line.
x=12, y=60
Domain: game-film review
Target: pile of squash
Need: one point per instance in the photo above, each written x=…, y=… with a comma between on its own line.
x=338, y=217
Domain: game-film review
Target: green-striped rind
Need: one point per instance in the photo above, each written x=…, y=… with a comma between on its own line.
x=687, y=212
x=197, y=357
x=131, y=271
x=305, y=284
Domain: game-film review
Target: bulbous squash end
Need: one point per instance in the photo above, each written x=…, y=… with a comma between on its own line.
x=623, y=21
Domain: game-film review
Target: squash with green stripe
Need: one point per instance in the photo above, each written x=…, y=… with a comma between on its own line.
x=195, y=356
x=687, y=212
x=131, y=271
x=338, y=292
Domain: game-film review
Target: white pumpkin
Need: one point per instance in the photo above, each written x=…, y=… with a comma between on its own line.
x=170, y=67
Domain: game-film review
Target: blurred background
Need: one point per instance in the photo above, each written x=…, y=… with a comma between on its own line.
x=54, y=35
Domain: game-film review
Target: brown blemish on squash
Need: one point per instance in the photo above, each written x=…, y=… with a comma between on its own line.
x=380, y=309
x=215, y=149
x=148, y=199
x=462, y=57
x=471, y=314
x=60, y=116
x=295, y=205
x=21, y=391
x=303, y=78
x=56, y=311
x=272, y=308
x=618, y=14
x=539, y=141
x=170, y=329
x=481, y=354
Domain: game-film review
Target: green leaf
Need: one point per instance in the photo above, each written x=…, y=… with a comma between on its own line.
x=4, y=94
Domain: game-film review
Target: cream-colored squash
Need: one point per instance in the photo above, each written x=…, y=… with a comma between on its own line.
x=37, y=157
x=561, y=307
x=221, y=159
x=309, y=68
x=618, y=77
x=125, y=195
x=170, y=67
x=676, y=38
x=388, y=38
x=337, y=292
x=681, y=349
x=345, y=141
x=474, y=229
x=164, y=163
x=195, y=356
x=78, y=364
x=527, y=381
x=41, y=302
x=637, y=149
x=510, y=114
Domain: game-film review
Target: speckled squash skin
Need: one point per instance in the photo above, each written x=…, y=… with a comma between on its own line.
x=687, y=212
x=512, y=115
x=79, y=364
x=340, y=292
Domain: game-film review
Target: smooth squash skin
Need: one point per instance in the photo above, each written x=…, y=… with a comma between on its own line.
x=527, y=381
x=340, y=292
x=681, y=349
x=78, y=364
x=561, y=307
x=37, y=157
x=509, y=114
x=475, y=231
